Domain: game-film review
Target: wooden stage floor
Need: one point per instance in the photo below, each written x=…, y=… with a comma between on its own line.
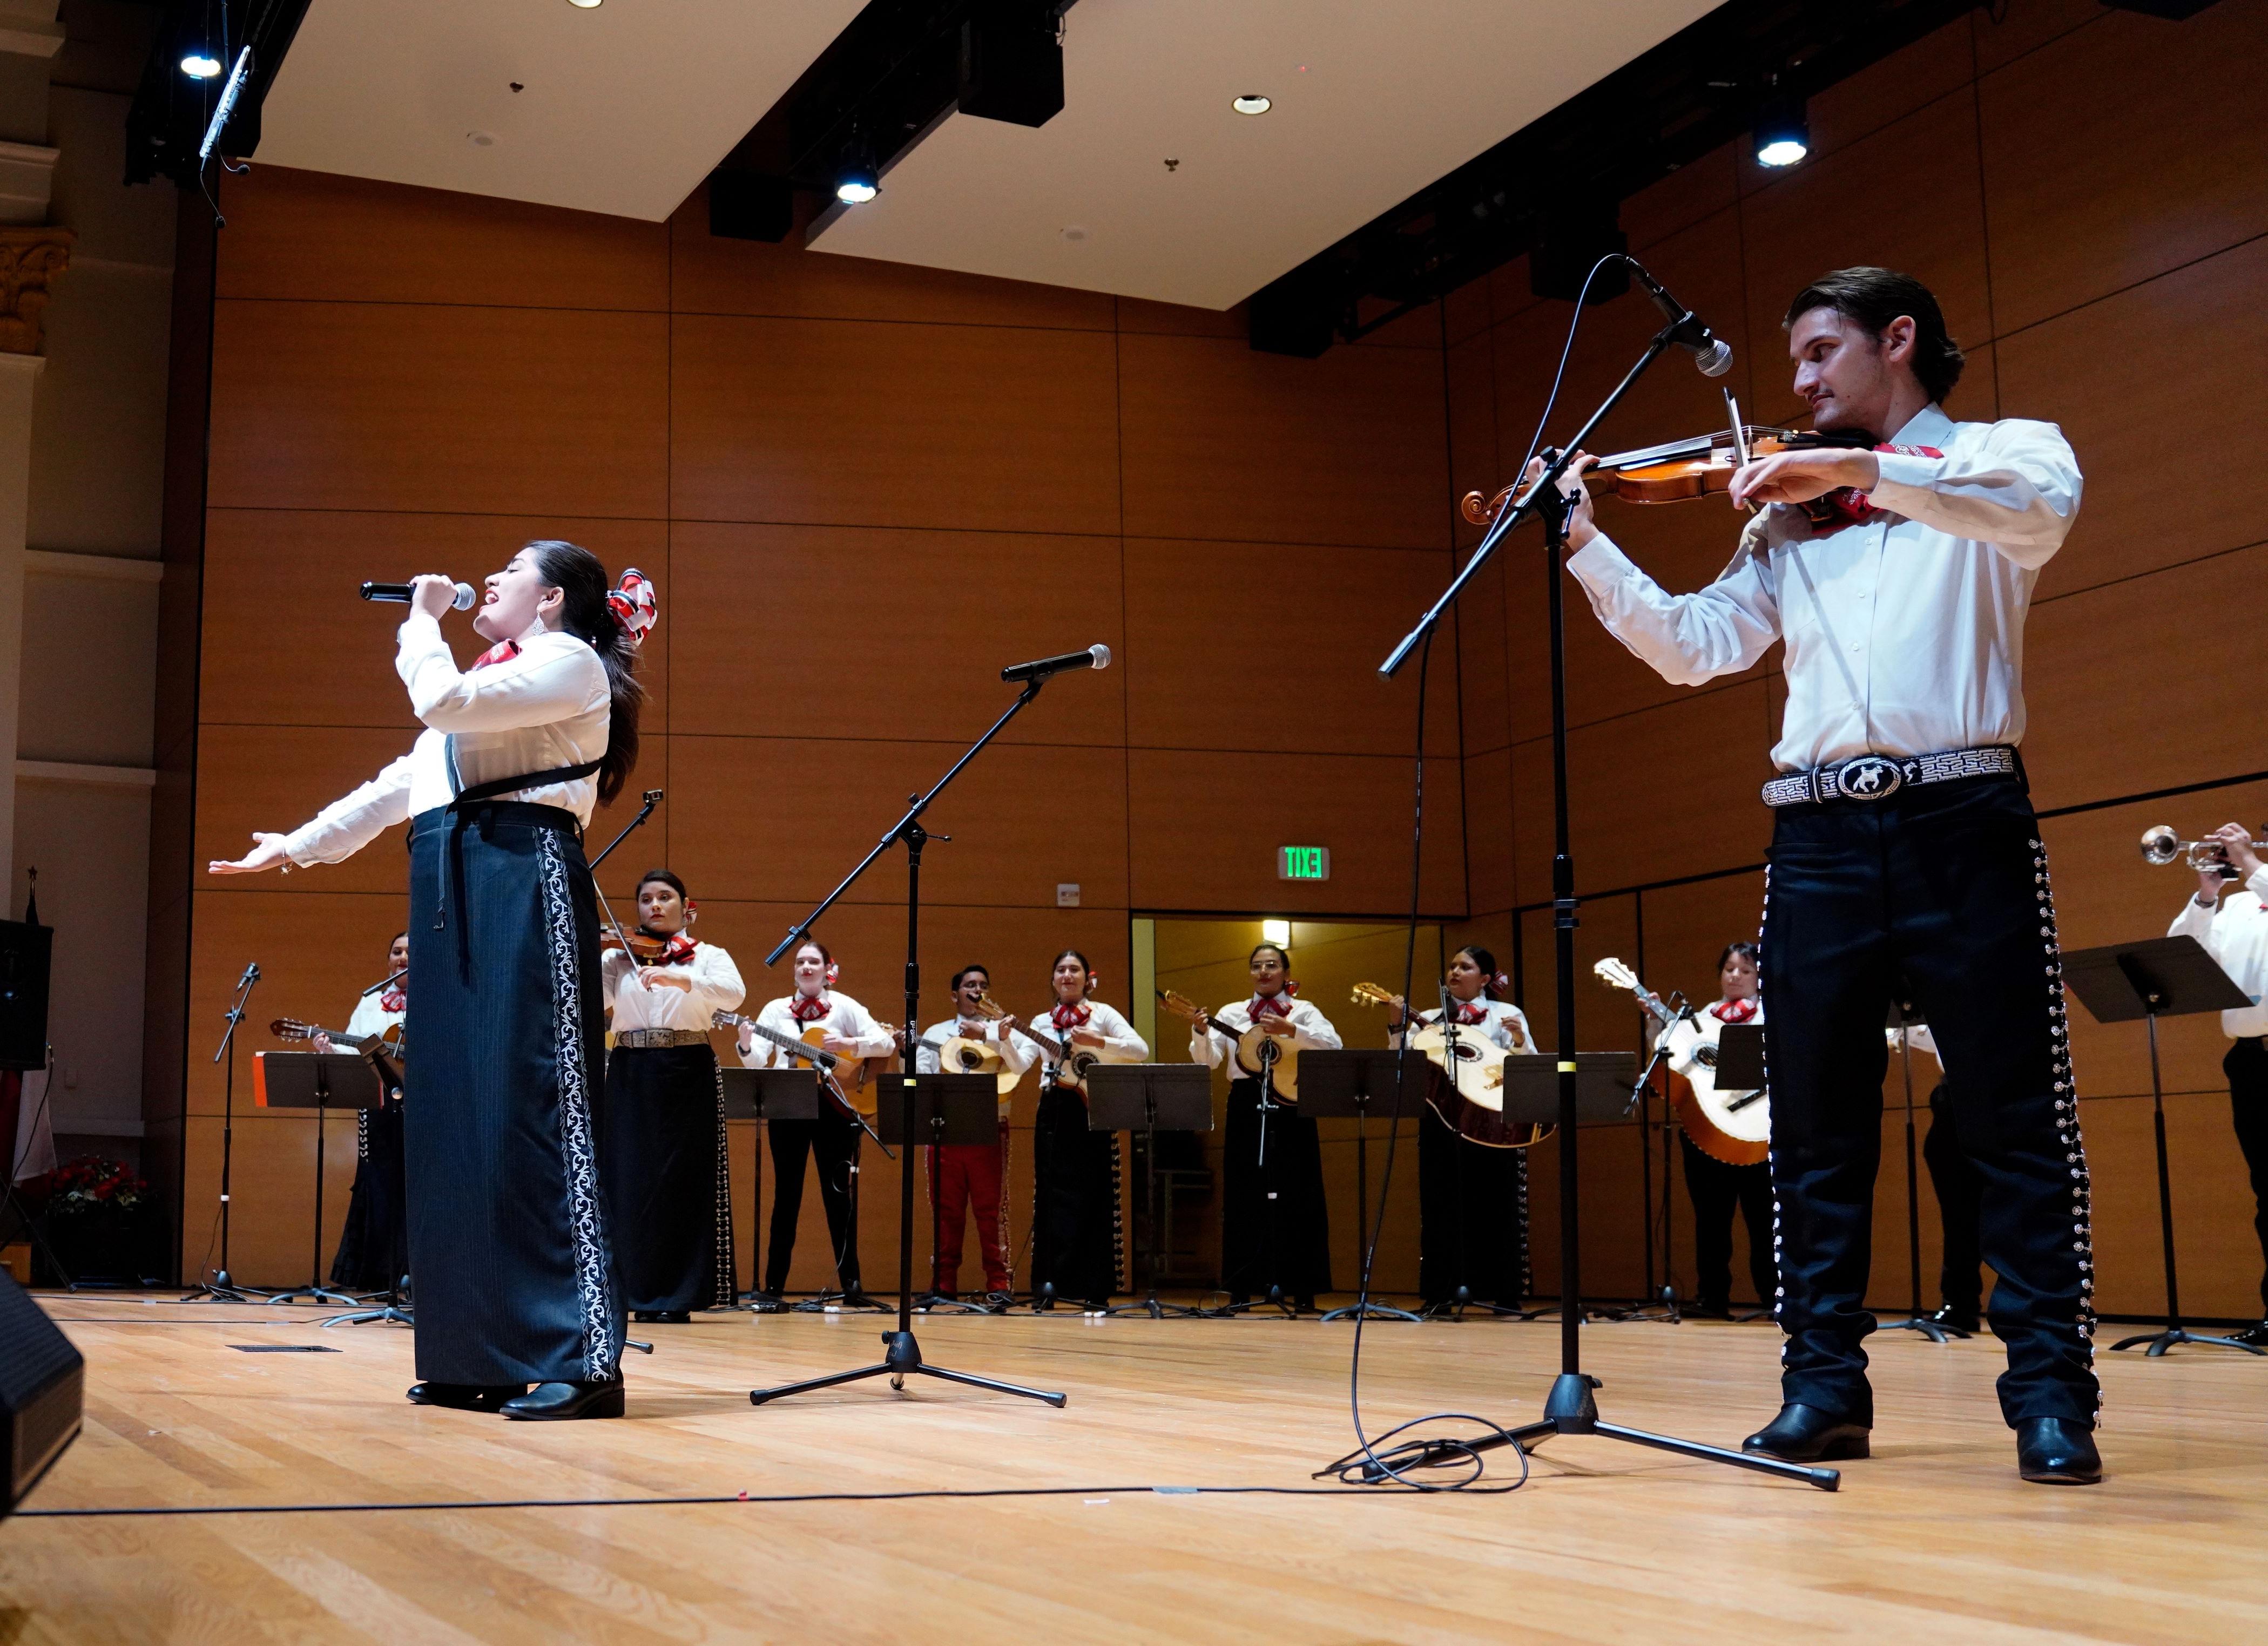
x=1933, y=1538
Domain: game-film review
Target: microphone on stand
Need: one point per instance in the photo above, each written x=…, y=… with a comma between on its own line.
x=399, y=594
x=1092, y=657
x=1712, y=354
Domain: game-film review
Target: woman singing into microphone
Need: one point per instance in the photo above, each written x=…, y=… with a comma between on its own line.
x=509, y=1247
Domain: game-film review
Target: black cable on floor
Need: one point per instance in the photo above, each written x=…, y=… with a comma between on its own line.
x=1365, y=1465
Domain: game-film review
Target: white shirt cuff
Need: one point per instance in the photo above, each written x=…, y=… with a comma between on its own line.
x=1905, y=478
x=1599, y=563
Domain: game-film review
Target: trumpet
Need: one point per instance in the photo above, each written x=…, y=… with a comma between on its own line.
x=2161, y=846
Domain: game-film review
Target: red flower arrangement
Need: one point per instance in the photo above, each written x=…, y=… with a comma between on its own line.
x=92, y=1182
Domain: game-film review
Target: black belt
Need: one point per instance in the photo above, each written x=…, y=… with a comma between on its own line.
x=453, y=877
x=1870, y=778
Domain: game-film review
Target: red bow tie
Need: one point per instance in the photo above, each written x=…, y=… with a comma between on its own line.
x=810, y=1008
x=503, y=651
x=1847, y=505
x=394, y=999
x=1471, y=1011
x=1734, y=1010
x=1265, y=1005
x=1070, y=1016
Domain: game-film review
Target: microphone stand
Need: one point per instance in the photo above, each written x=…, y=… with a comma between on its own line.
x=1570, y=1408
x=901, y=1353
x=223, y=1287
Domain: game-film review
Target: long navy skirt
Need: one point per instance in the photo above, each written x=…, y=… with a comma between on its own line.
x=1274, y=1229
x=662, y=1155
x=509, y=1250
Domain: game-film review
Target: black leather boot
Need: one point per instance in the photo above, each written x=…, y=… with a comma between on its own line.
x=557, y=1401
x=465, y=1397
x=2056, y=1451
x=1804, y=1434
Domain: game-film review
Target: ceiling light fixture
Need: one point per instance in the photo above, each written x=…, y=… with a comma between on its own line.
x=200, y=65
x=1276, y=932
x=1782, y=132
x=1250, y=103
x=856, y=184
x=584, y=5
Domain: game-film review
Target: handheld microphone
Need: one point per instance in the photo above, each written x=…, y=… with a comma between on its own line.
x=399, y=594
x=1092, y=657
x=1712, y=354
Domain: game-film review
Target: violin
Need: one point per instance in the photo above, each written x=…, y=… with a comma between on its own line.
x=644, y=947
x=1677, y=471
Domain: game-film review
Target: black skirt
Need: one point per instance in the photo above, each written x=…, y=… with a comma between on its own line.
x=661, y=1155
x=373, y=1251
x=1075, y=1200
x=509, y=1252
x=1472, y=1217
x=1284, y=1242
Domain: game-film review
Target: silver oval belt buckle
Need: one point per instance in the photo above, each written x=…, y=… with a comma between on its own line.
x=1869, y=777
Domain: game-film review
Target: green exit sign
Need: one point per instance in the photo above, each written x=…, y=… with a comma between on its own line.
x=1303, y=863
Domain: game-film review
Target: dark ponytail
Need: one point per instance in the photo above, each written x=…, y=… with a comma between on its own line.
x=575, y=571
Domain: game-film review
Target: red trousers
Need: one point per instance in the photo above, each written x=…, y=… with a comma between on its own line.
x=975, y=1176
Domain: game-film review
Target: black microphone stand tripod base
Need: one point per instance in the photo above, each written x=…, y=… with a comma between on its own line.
x=1570, y=1408
x=901, y=1355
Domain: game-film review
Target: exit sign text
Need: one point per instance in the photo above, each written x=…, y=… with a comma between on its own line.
x=1303, y=863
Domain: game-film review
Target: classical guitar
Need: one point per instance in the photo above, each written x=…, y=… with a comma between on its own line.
x=1255, y=1049
x=845, y=1077
x=1068, y=1064
x=960, y=1054
x=1468, y=1093
x=1734, y=1126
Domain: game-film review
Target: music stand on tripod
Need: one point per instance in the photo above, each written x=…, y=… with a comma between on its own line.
x=323, y=1082
x=1338, y=1086
x=1142, y=1097
x=1904, y=1018
x=946, y=1110
x=2165, y=977
x=761, y=1095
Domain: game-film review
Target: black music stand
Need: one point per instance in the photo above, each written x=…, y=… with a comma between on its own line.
x=2165, y=977
x=761, y=1095
x=945, y=1110
x=1531, y=1096
x=1904, y=1018
x=323, y=1082
x=1335, y=1085
x=1141, y=1098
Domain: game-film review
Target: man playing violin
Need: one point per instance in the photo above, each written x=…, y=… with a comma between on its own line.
x=1903, y=843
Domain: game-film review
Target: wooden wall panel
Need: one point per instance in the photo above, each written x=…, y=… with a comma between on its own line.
x=1203, y=827
x=272, y=1201
x=712, y=276
x=2123, y=377
x=439, y=408
x=1804, y=223
x=2082, y=206
x=2104, y=667
x=788, y=817
x=332, y=664
x=272, y=778
x=1307, y=650
x=2023, y=27
x=1220, y=441
x=917, y=626
x=316, y=236
x=980, y=428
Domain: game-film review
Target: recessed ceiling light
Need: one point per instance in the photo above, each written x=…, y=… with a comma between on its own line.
x=200, y=65
x=481, y=139
x=1250, y=103
x=1074, y=233
x=584, y=5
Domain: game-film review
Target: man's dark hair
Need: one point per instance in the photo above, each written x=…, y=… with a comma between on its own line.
x=984, y=971
x=1871, y=299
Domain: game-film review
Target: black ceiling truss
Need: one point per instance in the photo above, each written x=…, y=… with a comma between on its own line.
x=1700, y=89
x=166, y=123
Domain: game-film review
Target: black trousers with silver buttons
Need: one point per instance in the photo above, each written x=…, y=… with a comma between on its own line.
x=1946, y=885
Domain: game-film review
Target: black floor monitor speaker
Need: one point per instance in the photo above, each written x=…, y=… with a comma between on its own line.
x=26, y=951
x=42, y=1387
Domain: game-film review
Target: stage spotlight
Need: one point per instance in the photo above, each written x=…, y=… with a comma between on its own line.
x=1250, y=103
x=1783, y=134
x=855, y=183
x=200, y=65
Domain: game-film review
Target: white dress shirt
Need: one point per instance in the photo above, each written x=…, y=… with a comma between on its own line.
x=846, y=1019
x=1012, y=1052
x=547, y=708
x=2235, y=934
x=1311, y=1032
x=1505, y=1026
x=1905, y=633
x=648, y=1004
x=369, y=1018
x=1120, y=1043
